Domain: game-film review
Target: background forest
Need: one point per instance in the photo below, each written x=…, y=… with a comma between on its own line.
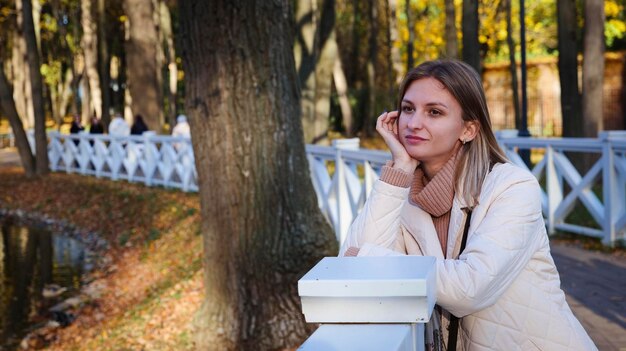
x=98, y=57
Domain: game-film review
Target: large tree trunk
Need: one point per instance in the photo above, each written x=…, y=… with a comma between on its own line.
x=90, y=50
x=261, y=225
x=141, y=62
x=452, y=43
x=7, y=105
x=104, y=63
x=471, y=46
x=568, y=68
x=41, y=141
x=593, y=68
x=512, y=65
x=315, y=50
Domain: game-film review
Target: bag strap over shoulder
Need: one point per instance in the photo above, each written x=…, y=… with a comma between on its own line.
x=454, y=321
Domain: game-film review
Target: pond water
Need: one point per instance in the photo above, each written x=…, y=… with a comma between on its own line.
x=33, y=260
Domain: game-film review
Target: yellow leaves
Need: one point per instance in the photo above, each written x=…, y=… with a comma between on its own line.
x=612, y=9
x=501, y=34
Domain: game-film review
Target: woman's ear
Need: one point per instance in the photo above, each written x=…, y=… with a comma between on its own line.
x=470, y=131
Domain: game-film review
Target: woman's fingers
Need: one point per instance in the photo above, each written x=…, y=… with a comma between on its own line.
x=387, y=125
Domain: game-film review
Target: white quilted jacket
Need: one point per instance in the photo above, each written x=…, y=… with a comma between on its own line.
x=504, y=285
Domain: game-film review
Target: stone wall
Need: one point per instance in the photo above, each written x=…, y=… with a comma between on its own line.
x=543, y=89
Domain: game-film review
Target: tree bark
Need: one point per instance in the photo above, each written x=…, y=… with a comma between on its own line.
x=568, y=68
x=261, y=225
x=471, y=46
x=593, y=68
x=315, y=50
x=411, y=28
x=512, y=65
x=20, y=77
x=396, y=60
x=7, y=105
x=341, y=85
x=370, y=112
x=104, y=63
x=452, y=43
x=90, y=50
x=141, y=62
x=168, y=35
x=41, y=141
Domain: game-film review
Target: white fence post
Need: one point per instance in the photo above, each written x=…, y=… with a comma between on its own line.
x=369, y=303
x=344, y=207
x=613, y=186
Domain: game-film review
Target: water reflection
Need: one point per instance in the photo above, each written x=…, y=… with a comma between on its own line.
x=31, y=259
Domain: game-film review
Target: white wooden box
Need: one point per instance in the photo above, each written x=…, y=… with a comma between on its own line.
x=390, y=289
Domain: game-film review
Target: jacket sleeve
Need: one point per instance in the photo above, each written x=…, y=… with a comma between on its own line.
x=378, y=222
x=497, y=250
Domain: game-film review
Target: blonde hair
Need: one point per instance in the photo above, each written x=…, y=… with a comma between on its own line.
x=478, y=155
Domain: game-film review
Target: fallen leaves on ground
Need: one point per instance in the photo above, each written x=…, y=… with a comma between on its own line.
x=153, y=286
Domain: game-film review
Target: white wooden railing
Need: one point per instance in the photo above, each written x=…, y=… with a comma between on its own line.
x=151, y=159
x=343, y=174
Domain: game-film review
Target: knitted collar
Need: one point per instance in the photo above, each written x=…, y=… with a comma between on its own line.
x=435, y=196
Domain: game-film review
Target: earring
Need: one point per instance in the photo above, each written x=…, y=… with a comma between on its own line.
x=464, y=141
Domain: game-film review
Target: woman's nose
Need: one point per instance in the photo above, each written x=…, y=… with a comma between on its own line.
x=415, y=122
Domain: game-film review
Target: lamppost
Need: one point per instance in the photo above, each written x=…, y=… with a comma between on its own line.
x=523, y=131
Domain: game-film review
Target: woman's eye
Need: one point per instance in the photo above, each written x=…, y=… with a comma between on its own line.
x=407, y=109
x=435, y=112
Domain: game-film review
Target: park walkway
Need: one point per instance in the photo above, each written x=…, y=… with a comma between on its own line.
x=594, y=282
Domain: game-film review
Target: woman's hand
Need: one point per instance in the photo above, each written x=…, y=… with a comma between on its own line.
x=387, y=127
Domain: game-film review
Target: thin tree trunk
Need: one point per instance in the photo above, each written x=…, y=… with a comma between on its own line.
x=315, y=52
x=452, y=43
x=160, y=59
x=261, y=225
x=341, y=85
x=411, y=28
x=86, y=103
x=41, y=142
x=471, y=46
x=104, y=63
x=172, y=68
x=512, y=65
x=593, y=68
x=396, y=60
x=142, y=62
x=371, y=70
x=21, y=81
x=90, y=50
x=60, y=94
x=8, y=109
x=568, y=69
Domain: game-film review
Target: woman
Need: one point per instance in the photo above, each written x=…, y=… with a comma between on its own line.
x=449, y=179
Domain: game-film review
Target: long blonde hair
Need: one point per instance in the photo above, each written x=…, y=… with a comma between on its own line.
x=462, y=81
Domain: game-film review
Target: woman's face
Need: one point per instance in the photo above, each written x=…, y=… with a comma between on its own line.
x=430, y=124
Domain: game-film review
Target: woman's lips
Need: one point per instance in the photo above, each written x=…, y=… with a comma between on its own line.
x=413, y=139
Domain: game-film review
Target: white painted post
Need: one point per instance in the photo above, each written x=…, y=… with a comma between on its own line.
x=344, y=208
x=613, y=189
x=554, y=189
x=385, y=302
